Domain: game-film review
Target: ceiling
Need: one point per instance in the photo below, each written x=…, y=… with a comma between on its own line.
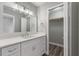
x=38, y=3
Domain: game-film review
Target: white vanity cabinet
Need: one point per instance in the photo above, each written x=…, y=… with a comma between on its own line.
x=35, y=47
x=12, y=50
x=26, y=47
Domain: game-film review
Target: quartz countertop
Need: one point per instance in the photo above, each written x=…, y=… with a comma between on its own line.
x=14, y=40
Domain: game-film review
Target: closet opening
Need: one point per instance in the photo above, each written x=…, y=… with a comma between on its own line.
x=56, y=31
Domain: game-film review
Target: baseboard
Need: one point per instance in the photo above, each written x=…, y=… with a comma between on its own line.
x=56, y=44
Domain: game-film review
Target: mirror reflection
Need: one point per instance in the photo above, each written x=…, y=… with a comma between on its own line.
x=18, y=19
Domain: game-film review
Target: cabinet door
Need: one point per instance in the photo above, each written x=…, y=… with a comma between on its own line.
x=35, y=47
x=13, y=50
x=43, y=44
x=30, y=48
x=26, y=49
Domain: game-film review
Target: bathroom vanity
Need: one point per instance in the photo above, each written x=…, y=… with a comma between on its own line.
x=34, y=45
x=15, y=20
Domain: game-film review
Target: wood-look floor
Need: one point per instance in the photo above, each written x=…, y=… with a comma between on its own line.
x=55, y=50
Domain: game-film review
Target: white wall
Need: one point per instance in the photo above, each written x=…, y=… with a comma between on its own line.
x=43, y=16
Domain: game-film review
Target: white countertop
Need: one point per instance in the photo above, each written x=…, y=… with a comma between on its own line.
x=10, y=41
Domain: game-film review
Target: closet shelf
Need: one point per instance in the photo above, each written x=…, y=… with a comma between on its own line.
x=61, y=18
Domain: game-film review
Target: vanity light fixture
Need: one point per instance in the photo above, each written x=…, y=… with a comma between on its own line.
x=22, y=9
x=15, y=7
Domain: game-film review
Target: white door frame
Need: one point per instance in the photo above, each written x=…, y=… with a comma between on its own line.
x=66, y=19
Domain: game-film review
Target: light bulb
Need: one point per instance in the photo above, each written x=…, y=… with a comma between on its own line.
x=26, y=10
x=31, y=13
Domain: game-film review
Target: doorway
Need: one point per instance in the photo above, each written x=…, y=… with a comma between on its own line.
x=56, y=31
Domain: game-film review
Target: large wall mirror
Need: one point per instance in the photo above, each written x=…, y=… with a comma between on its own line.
x=14, y=20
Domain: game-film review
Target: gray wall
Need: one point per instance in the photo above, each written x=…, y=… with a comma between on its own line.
x=74, y=28
x=78, y=30
x=56, y=31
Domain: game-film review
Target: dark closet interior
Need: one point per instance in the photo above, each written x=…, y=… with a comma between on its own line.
x=56, y=30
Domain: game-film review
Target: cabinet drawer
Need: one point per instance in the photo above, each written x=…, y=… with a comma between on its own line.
x=11, y=50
